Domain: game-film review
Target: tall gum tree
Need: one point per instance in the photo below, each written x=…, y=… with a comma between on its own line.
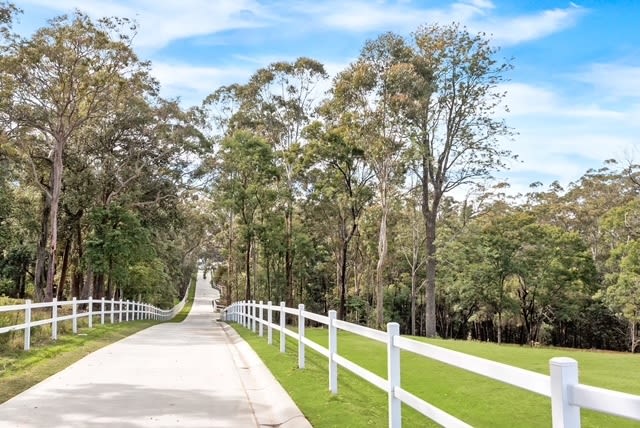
x=63, y=78
x=367, y=89
x=451, y=106
x=277, y=103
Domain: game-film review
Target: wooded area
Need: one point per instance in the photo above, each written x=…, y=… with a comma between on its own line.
x=340, y=193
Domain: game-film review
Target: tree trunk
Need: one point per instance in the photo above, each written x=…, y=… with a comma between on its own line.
x=268, y=266
x=413, y=301
x=64, y=269
x=88, y=284
x=382, y=261
x=499, y=327
x=98, y=286
x=40, y=275
x=342, y=308
x=56, y=190
x=247, y=268
x=288, y=253
x=230, y=275
x=430, y=288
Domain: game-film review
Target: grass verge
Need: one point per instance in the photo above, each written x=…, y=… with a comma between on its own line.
x=180, y=316
x=19, y=370
x=474, y=399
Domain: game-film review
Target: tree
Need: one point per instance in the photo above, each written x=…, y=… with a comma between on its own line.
x=367, y=90
x=341, y=184
x=451, y=111
x=247, y=173
x=64, y=78
x=276, y=104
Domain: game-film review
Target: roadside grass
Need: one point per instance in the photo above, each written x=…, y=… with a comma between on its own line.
x=19, y=370
x=479, y=401
x=180, y=316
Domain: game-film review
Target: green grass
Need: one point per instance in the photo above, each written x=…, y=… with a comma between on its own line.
x=19, y=370
x=479, y=401
x=180, y=316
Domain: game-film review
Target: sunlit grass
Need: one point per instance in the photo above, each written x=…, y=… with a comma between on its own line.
x=479, y=401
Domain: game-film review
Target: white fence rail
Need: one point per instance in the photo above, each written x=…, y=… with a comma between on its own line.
x=567, y=395
x=113, y=310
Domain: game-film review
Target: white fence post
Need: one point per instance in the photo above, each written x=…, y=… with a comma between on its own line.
x=74, y=312
x=564, y=372
x=27, y=324
x=243, y=313
x=260, y=326
x=113, y=303
x=269, y=320
x=54, y=319
x=333, y=350
x=301, y=336
x=282, y=327
x=102, y=311
x=253, y=315
x=120, y=311
x=393, y=375
x=90, y=318
x=126, y=314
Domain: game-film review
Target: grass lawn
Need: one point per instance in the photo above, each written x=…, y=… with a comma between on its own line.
x=474, y=399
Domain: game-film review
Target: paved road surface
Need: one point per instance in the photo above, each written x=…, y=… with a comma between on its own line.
x=197, y=373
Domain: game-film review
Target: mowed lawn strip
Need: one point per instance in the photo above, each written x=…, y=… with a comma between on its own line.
x=478, y=401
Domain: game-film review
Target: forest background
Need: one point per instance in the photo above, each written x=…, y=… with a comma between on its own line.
x=373, y=198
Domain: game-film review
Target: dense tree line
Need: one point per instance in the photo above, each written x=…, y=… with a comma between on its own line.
x=346, y=198
x=94, y=183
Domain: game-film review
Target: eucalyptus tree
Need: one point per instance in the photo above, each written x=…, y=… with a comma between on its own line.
x=410, y=242
x=62, y=79
x=622, y=292
x=451, y=108
x=590, y=198
x=368, y=90
x=340, y=182
x=248, y=173
x=277, y=103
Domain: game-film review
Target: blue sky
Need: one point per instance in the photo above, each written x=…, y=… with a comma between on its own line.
x=574, y=94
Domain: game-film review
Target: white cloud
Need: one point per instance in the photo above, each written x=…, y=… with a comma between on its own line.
x=511, y=31
x=529, y=100
x=477, y=15
x=192, y=83
x=614, y=80
x=162, y=21
x=560, y=137
x=359, y=16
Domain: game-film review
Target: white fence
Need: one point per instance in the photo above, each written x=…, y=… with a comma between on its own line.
x=567, y=395
x=114, y=310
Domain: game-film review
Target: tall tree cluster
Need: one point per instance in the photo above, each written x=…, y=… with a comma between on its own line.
x=340, y=194
x=343, y=198
x=94, y=185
